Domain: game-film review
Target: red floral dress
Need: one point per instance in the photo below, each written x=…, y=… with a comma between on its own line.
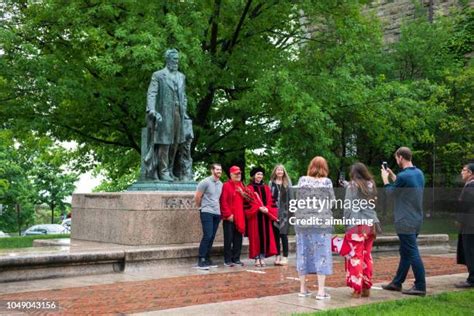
x=359, y=265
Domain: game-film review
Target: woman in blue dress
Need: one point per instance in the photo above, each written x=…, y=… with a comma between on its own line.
x=313, y=232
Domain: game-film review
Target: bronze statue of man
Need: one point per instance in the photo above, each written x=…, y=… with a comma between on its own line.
x=166, y=115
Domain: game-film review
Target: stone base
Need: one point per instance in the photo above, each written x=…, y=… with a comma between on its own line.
x=54, y=258
x=163, y=186
x=137, y=218
x=58, y=262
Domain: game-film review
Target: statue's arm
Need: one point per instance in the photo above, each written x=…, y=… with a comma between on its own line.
x=151, y=98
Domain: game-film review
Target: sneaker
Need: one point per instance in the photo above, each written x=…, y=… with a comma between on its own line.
x=211, y=264
x=239, y=263
x=228, y=264
x=392, y=287
x=202, y=264
x=414, y=291
x=284, y=261
x=464, y=285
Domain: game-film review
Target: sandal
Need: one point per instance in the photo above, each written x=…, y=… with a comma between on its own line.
x=325, y=296
x=257, y=263
x=262, y=263
x=277, y=261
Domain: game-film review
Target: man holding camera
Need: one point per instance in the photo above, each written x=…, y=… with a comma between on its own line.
x=407, y=189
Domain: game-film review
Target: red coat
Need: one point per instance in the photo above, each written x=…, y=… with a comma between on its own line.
x=232, y=203
x=251, y=214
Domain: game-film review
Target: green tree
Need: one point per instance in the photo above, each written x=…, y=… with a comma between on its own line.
x=438, y=54
x=34, y=171
x=52, y=181
x=91, y=63
x=273, y=81
x=15, y=189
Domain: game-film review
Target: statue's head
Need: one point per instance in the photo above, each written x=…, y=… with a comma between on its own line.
x=172, y=59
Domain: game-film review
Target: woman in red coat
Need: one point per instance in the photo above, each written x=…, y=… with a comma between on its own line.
x=260, y=212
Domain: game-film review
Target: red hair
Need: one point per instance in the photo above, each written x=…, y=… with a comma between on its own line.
x=318, y=167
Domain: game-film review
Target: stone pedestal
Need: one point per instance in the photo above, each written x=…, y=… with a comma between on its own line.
x=137, y=218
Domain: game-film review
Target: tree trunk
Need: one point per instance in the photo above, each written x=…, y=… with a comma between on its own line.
x=18, y=210
x=430, y=11
x=52, y=213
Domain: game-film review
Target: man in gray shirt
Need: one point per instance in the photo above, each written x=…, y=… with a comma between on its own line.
x=207, y=198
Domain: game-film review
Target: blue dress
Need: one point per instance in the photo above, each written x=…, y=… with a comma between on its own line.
x=313, y=253
x=313, y=243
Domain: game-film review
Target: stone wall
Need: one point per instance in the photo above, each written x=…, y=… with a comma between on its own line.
x=392, y=13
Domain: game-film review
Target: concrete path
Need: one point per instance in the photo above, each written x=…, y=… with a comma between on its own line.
x=290, y=303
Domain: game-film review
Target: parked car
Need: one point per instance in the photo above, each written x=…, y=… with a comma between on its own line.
x=67, y=224
x=2, y=234
x=45, y=229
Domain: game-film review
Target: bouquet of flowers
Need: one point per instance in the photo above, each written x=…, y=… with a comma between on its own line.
x=253, y=199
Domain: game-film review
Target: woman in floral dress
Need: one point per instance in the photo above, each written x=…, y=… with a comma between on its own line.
x=360, y=237
x=313, y=240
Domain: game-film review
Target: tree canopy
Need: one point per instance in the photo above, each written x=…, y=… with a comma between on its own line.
x=267, y=81
x=34, y=172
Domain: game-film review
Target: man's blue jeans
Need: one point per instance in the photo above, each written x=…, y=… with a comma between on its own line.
x=410, y=256
x=210, y=223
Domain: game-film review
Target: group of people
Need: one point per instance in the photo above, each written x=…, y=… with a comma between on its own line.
x=260, y=211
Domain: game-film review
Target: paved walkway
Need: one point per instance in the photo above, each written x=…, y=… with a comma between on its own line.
x=143, y=292
x=289, y=304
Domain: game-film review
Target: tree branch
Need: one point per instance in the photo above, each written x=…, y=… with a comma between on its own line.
x=215, y=27
x=218, y=139
x=96, y=139
x=224, y=151
x=230, y=45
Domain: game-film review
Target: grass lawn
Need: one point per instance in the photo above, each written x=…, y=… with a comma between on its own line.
x=452, y=303
x=26, y=241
